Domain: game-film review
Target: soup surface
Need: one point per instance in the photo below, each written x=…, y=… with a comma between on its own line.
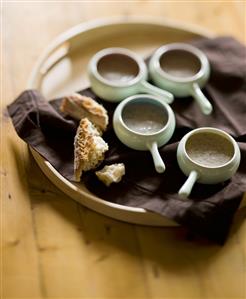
x=180, y=63
x=118, y=68
x=209, y=149
x=144, y=118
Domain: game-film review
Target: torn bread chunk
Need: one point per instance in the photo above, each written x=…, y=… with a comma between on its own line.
x=89, y=148
x=78, y=107
x=111, y=173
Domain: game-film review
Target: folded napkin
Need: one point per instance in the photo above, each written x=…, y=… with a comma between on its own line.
x=210, y=209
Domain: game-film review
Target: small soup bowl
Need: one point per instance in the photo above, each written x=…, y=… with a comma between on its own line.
x=116, y=73
x=183, y=70
x=208, y=156
x=144, y=122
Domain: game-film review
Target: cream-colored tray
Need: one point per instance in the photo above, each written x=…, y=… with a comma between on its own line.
x=62, y=69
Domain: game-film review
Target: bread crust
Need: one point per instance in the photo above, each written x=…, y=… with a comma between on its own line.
x=89, y=148
x=78, y=107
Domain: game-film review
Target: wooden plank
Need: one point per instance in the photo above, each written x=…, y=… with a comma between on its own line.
x=82, y=247
x=87, y=251
x=20, y=261
x=176, y=265
x=20, y=265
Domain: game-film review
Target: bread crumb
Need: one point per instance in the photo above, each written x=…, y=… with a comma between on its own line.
x=111, y=173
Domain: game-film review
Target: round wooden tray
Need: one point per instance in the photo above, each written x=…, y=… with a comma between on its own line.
x=63, y=69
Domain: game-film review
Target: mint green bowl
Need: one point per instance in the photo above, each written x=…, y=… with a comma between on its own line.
x=182, y=70
x=204, y=174
x=145, y=141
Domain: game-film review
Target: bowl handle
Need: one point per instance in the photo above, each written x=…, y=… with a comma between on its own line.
x=158, y=162
x=201, y=100
x=185, y=190
x=146, y=87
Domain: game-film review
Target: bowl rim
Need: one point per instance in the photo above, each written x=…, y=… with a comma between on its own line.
x=215, y=131
x=133, y=98
x=204, y=63
x=93, y=67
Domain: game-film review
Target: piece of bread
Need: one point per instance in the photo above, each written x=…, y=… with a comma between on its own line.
x=89, y=148
x=78, y=107
x=111, y=173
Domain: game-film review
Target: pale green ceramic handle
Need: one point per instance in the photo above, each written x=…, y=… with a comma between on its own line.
x=201, y=100
x=146, y=87
x=185, y=190
x=158, y=162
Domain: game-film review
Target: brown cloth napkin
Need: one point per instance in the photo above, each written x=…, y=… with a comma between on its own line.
x=210, y=209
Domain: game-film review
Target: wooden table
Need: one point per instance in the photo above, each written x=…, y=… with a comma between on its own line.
x=55, y=248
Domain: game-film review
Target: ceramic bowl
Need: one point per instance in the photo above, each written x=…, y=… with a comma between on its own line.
x=116, y=73
x=208, y=156
x=130, y=111
x=182, y=70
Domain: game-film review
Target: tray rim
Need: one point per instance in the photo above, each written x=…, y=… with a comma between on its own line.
x=132, y=214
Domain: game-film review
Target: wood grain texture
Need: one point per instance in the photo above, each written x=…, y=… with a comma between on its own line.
x=54, y=248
